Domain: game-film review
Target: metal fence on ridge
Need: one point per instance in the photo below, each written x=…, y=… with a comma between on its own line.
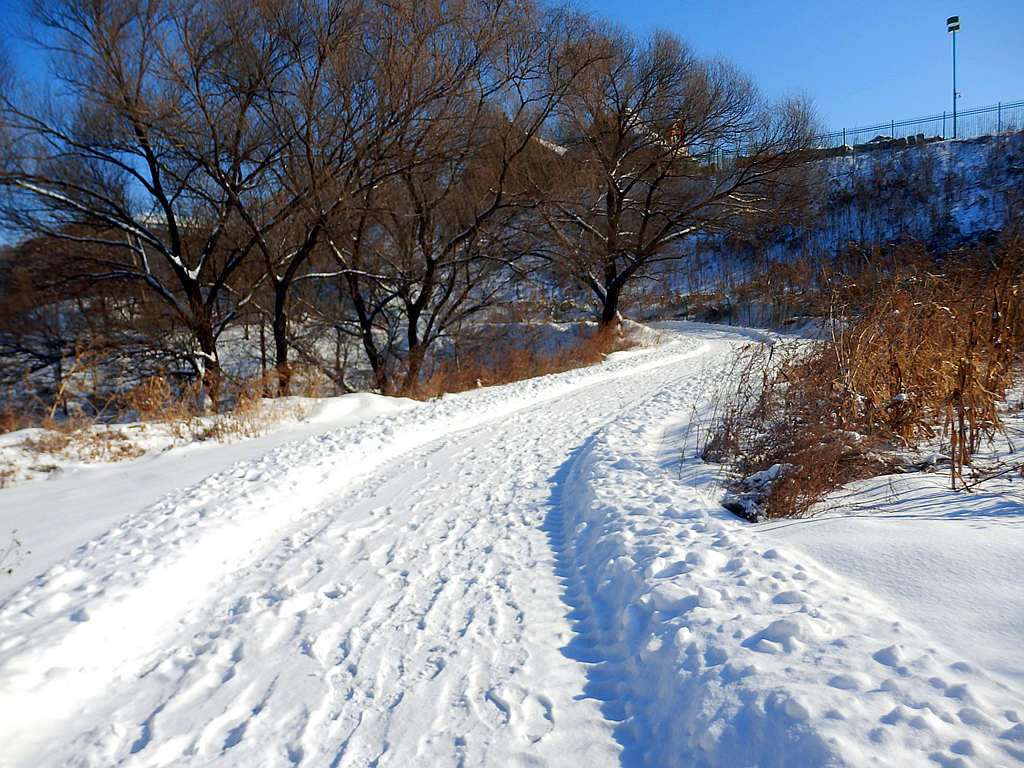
x=1005, y=116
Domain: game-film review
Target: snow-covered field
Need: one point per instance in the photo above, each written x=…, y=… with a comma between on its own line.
x=516, y=576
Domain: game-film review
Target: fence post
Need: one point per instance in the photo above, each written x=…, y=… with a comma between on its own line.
x=943, y=123
x=892, y=130
x=999, y=117
x=844, y=137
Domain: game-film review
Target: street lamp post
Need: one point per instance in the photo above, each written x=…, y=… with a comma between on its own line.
x=953, y=26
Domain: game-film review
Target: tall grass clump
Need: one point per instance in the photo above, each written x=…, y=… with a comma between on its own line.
x=915, y=351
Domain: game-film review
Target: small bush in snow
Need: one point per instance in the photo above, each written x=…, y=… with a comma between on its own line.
x=916, y=350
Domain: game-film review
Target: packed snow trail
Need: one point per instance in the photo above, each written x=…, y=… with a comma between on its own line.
x=516, y=576
x=448, y=523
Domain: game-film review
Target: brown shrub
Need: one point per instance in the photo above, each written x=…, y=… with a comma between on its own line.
x=515, y=363
x=11, y=421
x=915, y=351
x=154, y=399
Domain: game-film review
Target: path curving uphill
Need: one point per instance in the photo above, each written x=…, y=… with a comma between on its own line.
x=385, y=595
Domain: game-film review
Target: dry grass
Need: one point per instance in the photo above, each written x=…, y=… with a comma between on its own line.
x=11, y=554
x=11, y=421
x=248, y=415
x=154, y=401
x=515, y=363
x=158, y=400
x=85, y=442
x=916, y=352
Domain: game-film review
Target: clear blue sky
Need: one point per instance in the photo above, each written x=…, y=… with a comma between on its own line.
x=860, y=63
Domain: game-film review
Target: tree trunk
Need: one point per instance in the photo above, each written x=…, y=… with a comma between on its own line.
x=263, y=352
x=58, y=377
x=377, y=361
x=417, y=353
x=417, y=347
x=210, y=368
x=280, y=327
x=610, y=305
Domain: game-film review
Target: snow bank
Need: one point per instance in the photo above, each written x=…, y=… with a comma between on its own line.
x=81, y=500
x=714, y=645
x=950, y=562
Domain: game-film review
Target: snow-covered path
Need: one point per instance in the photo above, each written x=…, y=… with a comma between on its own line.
x=412, y=613
x=515, y=576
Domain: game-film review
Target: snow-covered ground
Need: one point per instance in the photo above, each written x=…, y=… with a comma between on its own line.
x=521, y=575
x=78, y=500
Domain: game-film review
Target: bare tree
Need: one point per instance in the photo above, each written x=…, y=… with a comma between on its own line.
x=319, y=112
x=658, y=146
x=218, y=154
x=428, y=241
x=52, y=325
x=152, y=151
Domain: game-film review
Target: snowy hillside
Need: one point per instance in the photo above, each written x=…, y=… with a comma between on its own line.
x=945, y=194
x=515, y=576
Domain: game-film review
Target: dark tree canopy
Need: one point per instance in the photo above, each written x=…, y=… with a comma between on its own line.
x=391, y=169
